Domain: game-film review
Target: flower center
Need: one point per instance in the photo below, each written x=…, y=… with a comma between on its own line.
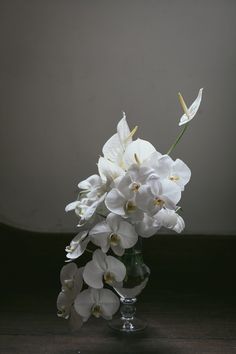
x=69, y=283
x=96, y=311
x=70, y=248
x=62, y=312
x=135, y=187
x=130, y=207
x=109, y=278
x=174, y=178
x=159, y=202
x=114, y=239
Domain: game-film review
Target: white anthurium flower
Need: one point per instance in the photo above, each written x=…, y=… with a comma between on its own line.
x=190, y=112
x=170, y=220
x=97, y=302
x=176, y=171
x=109, y=170
x=103, y=269
x=78, y=245
x=157, y=194
x=148, y=226
x=115, y=233
x=114, y=148
x=137, y=152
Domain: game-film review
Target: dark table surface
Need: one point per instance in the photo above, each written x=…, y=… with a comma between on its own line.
x=189, y=302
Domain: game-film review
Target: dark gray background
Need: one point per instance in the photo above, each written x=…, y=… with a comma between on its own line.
x=68, y=68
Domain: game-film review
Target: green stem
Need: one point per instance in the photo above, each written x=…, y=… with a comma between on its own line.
x=177, y=139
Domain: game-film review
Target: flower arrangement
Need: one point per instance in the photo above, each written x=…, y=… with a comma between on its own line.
x=135, y=193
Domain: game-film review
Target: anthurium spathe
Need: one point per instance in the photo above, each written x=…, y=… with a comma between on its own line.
x=103, y=269
x=137, y=152
x=97, y=302
x=114, y=148
x=190, y=112
x=114, y=233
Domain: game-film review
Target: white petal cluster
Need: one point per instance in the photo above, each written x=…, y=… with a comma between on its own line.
x=136, y=192
x=71, y=285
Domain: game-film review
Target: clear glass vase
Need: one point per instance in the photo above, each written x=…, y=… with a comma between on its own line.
x=137, y=275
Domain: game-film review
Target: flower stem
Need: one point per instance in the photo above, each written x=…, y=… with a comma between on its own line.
x=177, y=139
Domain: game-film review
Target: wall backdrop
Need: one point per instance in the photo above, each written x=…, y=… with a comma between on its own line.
x=67, y=70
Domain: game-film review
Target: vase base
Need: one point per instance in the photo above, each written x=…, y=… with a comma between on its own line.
x=131, y=326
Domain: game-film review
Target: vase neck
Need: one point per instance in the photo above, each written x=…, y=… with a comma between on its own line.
x=137, y=248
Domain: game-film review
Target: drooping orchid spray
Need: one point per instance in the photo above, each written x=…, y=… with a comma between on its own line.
x=136, y=192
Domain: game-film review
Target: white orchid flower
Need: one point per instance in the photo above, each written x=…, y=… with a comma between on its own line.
x=64, y=304
x=93, y=193
x=190, y=112
x=114, y=148
x=109, y=170
x=137, y=152
x=176, y=171
x=72, y=282
x=170, y=220
x=103, y=268
x=121, y=199
x=78, y=245
x=85, y=207
x=148, y=226
x=93, y=187
x=115, y=233
x=97, y=302
x=71, y=279
x=157, y=194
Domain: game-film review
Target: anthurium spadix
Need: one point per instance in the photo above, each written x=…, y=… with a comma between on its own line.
x=103, y=269
x=137, y=152
x=190, y=112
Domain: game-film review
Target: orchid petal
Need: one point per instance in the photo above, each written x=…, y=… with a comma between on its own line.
x=116, y=267
x=127, y=234
x=108, y=170
x=115, y=202
x=93, y=275
x=83, y=304
x=109, y=303
x=71, y=206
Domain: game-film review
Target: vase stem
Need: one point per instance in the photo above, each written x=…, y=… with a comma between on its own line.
x=127, y=311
